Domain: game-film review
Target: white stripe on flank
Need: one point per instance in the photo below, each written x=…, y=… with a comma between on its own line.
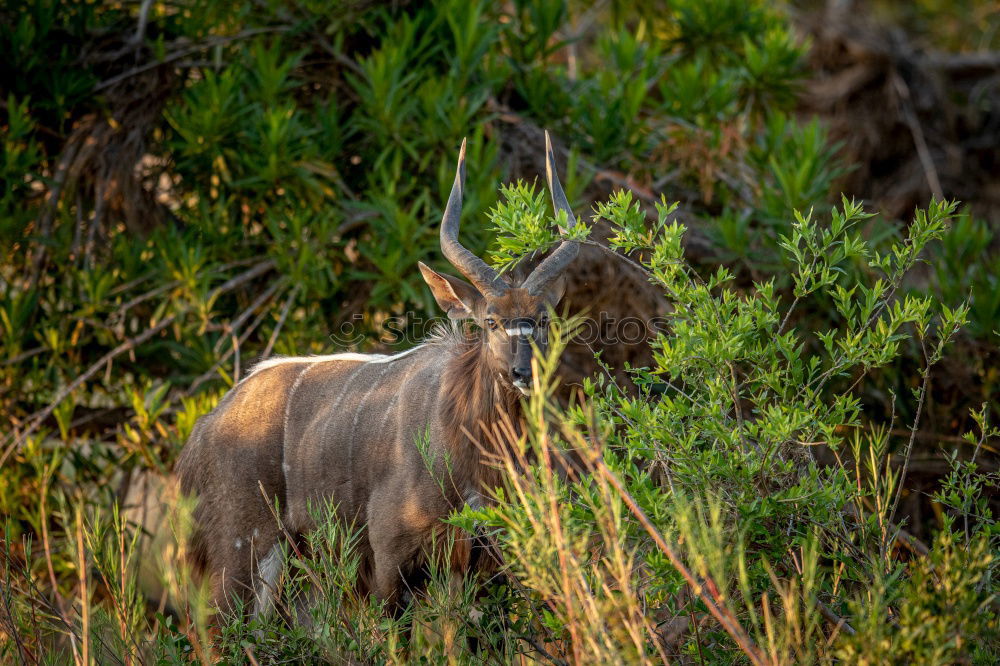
x=357, y=411
x=390, y=359
x=347, y=356
x=282, y=360
x=288, y=410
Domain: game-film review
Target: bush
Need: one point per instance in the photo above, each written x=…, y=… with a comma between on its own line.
x=707, y=479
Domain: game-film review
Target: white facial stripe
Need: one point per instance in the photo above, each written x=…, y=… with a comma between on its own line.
x=473, y=498
x=521, y=329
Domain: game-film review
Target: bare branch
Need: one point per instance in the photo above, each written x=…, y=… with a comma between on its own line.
x=128, y=345
x=918, y=135
x=281, y=322
x=39, y=417
x=140, y=29
x=839, y=623
x=183, y=53
x=234, y=326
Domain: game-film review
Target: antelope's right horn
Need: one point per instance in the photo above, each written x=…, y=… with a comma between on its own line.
x=562, y=256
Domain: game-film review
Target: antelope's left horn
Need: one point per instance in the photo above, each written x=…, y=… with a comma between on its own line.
x=562, y=256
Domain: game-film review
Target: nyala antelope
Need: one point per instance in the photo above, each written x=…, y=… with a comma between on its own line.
x=344, y=429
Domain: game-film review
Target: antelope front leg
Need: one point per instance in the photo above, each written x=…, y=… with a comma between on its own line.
x=395, y=546
x=394, y=560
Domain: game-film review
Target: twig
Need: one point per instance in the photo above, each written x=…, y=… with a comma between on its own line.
x=337, y=55
x=46, y=546
x=930, y=171
x=120, y=611
x=183, y=53
x=987, y=60
x=141, y=298
x=12, y=630
x=123, y=573
x=530, y=640
x=248, y=651
x=236, y=362
x=697, y=634
x=84, y=596
x=624, y=257
x=251, y=273
x=205, y=376
x=24, y=356
x=131, y=303
x=208, y=374
x=356, y=221
x=246, y=276
x=140, y=30
x=234, y=326
x=695, y=242
x=269, y=502
x=911, y=542
x=125, y=286
x=74, y=249
x=281, y=322
x=95, y=224
x=839, y=623
x=36, y=597
x=788, y=314
x=929, y=436
x=902, y=536
x=45, y=223
x=913, y=430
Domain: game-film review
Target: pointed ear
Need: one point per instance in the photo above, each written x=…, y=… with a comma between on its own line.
x=457, y=298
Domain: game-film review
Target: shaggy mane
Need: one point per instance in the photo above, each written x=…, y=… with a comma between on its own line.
x=475, y=403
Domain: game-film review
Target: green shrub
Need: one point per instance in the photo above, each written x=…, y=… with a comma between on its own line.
x=714, y=477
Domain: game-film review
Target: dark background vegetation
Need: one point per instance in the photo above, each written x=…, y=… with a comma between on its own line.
x=186, y=187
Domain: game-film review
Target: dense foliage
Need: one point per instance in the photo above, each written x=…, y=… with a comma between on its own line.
x=799, y=562
x=188, y=187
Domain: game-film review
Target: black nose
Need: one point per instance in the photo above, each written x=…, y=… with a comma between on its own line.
x=521, y=374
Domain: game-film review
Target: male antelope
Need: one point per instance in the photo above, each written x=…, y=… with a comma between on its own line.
x=345, y=428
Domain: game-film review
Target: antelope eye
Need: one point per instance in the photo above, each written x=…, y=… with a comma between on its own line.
x=491, y=323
